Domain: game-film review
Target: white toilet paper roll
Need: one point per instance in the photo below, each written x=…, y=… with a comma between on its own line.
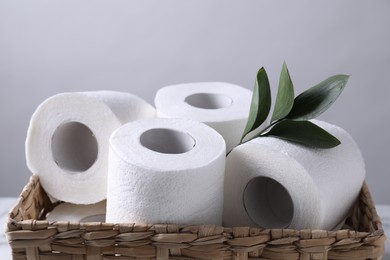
x=166, y=171
x=67, y=141
x=222, y=106
x=277, y=184
x=78, y=213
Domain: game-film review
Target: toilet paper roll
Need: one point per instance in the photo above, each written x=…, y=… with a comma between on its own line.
x=78, y=213
x=277, y=184
x=166, y=171
x=222, y=106
x=67, y=141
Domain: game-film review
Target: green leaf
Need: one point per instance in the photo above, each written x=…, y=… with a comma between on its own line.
x=317, y=99
x=303, y=132
x=261, y=103
x=285, y=98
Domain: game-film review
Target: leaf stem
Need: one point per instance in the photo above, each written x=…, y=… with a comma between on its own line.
x=262, y=132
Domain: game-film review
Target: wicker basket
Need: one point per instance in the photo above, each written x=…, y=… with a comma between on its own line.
x=31, y=237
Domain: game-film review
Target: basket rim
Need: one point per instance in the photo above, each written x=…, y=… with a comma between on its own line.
x=29, y=236
x=11, y=223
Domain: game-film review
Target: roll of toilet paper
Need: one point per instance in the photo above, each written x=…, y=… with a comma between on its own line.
x=166, y=171
x=222, y=106
x=78, y=213
x=277, y=184
x=67, y=141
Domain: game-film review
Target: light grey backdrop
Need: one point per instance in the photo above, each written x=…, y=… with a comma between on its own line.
x=47, y=47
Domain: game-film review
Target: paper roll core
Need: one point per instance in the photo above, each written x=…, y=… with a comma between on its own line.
x=74, y=147
x=268, y=203
x=168, y=141
x=208, y=100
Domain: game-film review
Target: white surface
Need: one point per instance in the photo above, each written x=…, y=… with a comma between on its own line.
x=384, y=214
x=148, y=183
x=222, y=106
x=7, y=203
x=321, y=184
x=5, y=206
x=62, y=173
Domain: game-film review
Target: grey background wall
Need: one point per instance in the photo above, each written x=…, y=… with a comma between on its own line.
x=47, y=47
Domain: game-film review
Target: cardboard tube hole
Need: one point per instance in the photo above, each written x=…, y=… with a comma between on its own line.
x=169, y=141
x=268, y=203
x=74, y=147
x=208, y=100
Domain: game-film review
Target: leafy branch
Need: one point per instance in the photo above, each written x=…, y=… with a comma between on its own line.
x=290, y=117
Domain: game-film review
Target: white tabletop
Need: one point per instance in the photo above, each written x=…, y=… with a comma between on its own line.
x=5, y=206
x=7, y=203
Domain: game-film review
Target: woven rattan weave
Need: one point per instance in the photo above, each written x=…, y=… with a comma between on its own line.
x=31, y=237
